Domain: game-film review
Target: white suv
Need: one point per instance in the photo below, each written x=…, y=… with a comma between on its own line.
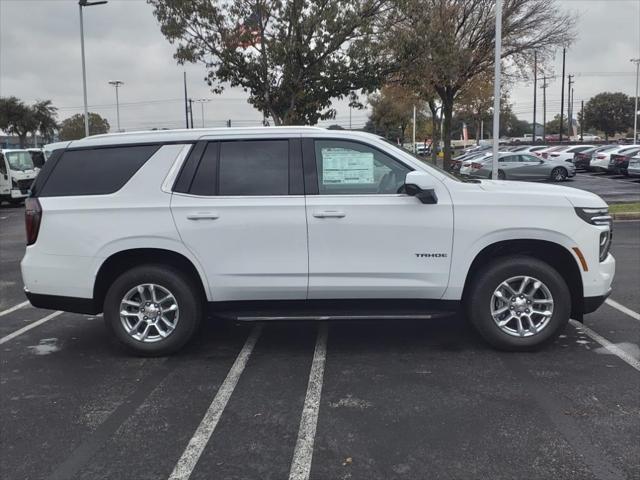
x=154, y=228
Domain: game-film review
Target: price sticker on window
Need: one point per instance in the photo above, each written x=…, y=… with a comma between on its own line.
x=342, y=166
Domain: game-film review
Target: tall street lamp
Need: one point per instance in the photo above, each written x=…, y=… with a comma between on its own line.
x=496, y=91
x=85, y=3
x=117, y=84
x=202, y=101
x=635, y=116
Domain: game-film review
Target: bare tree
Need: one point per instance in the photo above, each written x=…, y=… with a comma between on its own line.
x=448, y=43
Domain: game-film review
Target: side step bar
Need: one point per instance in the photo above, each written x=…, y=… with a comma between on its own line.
x=341, y=317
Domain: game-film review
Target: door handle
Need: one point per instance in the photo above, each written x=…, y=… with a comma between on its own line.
x=329, y=214
x=203, y=216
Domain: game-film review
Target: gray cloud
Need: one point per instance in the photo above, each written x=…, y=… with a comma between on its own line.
x=40, y=58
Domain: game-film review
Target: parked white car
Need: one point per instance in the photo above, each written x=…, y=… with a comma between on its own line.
x=634, y=166
x=17, y=173
x=303, y=223
x=600, y=161
x=566, y=154
x=587, y=137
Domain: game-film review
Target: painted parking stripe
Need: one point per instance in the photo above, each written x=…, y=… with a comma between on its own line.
x=14, y=308
x=199, y=440
x=17, y=333
x=622, y=308
x=613, y=348
x=303, y=453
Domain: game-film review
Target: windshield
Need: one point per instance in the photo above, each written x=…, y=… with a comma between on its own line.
x=19, y=160
x=37, y=157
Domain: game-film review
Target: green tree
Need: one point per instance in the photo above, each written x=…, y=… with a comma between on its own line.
x=72, y=128
x=392, y=110
x=610, y=113
x=553, y=126
x=45, y=118
x=17, y=118
x=292, y=56
x=448, y=43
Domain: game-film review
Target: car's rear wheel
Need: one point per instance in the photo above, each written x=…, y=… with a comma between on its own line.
x=559, y=174
x=518, y=303
x=153, y=309
x=501, y=175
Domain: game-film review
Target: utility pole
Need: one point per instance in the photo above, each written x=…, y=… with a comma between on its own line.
x=414, y=129
x=544, y=107
x=564, y=55
x=117, y=84
x=535, y=91
x=635, y=116
x=191, y=111
x=571, y=117
x=582, y=121
x=496, y=91
x=569, y=106
x=85, y=3
x=186, y=104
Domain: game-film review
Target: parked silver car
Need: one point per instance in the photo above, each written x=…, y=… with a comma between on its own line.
x=517, y=166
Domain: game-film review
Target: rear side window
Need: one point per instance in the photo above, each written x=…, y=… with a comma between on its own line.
x=258, y=167
x=97, y=171
x=247, y=168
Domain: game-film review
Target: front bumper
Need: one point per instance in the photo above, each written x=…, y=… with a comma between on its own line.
x=15, y=193
x=591, y=304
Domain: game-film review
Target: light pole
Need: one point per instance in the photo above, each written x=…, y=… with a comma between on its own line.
x=117, y=84
x=202, y=101
x=496, y=91
x=635, y=116
x=85, y=3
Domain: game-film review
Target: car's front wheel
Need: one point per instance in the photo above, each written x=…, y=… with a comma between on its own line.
x=518, y=303
x=153, y=309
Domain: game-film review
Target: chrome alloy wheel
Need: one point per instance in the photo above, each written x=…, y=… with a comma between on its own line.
x=522, y=306
x=149, y=313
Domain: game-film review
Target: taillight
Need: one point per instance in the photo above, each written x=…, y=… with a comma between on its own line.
x=476, y=166
x=32, y=217
x=600, y=157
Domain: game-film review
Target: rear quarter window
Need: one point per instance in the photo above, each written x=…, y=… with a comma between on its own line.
x=96, y=171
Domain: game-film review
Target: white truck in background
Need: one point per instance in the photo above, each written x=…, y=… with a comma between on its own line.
x=17, y=173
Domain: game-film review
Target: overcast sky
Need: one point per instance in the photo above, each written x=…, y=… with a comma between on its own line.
x=40, y=59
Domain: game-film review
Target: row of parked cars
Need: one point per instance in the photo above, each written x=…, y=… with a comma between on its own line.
x=537, y=162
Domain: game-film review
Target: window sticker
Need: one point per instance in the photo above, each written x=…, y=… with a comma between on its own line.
x=343, y=166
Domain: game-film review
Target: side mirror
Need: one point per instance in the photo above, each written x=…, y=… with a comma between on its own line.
x=420, y=185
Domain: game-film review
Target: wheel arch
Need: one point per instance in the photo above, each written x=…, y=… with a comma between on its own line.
x=124, y=260
x=556, y=255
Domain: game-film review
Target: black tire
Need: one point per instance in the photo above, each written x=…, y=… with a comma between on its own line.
x=186, y=293
x=479, y=298
x=559, y=174
x=501, y=175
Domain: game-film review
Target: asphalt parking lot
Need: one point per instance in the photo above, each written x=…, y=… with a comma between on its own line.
x=612, y=188
x=349, y=400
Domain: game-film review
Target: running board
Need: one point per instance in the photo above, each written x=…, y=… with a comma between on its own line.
x=341, y=317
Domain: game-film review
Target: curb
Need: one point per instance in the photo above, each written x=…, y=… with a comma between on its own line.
x=626, y=216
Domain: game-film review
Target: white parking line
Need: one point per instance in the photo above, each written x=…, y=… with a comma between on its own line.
x=195, y=447
x=622, y=308
x=13, y=335
x=303, y=453
x=614, y=349
x=14, y=308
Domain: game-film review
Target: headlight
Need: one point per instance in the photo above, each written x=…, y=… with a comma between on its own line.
x=599, y=217
x=595, y=216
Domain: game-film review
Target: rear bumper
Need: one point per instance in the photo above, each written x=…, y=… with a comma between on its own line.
x=66, y=304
